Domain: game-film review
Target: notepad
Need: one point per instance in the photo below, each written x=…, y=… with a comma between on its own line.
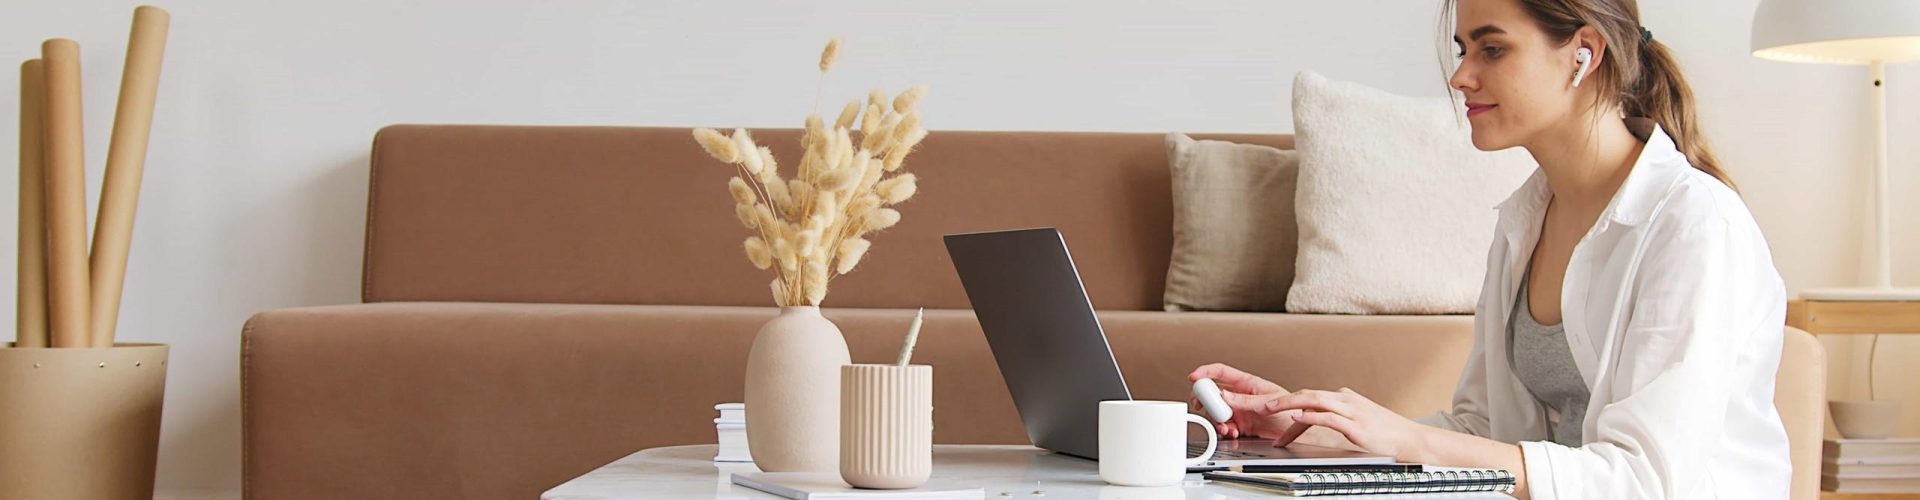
x=1432, y=480
x=827, y=485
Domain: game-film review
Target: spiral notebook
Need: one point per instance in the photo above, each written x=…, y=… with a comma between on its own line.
x=1432, y=480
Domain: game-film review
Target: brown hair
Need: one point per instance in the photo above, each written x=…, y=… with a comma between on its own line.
x=1636, y=71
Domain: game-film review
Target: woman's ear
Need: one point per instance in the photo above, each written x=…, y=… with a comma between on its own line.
x=1589, y=38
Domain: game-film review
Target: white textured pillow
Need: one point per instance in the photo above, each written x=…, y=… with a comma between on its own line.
x=1395, y=205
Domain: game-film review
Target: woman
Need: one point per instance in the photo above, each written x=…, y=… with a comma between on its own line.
x=1629, y=327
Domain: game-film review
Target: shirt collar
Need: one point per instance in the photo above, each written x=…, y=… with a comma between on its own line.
x=1659, y=165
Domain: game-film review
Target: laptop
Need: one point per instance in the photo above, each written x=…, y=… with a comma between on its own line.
x=1042, y=330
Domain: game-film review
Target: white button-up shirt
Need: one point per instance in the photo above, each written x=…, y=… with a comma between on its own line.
x=1674, y=314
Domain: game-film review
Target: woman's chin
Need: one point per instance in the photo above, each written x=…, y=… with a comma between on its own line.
x=1487, y=140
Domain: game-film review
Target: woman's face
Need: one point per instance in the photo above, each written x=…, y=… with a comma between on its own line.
x=1516, y=81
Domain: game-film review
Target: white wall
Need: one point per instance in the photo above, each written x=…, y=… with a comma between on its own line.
x=255, y=188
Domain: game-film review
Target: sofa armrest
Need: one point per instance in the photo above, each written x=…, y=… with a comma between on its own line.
x=457, y=400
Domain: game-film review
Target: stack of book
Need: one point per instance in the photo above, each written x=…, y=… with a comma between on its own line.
x=732, y=428
x=1890, y=465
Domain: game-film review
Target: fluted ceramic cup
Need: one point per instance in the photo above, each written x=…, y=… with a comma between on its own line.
x=886, y=425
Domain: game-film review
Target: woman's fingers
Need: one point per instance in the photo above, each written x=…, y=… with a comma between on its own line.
x=1293, y=432
x=1244, y=402
x=1226, y=430
x=1323, y=401
x=1339, y=423
x=1232, y=379
x=1213, y=371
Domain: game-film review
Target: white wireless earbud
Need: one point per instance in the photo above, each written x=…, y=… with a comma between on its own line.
x=1585, y=56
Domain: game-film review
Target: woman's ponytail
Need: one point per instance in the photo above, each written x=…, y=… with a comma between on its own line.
x=1662, y=94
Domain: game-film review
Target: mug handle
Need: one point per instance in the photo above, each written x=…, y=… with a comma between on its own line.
x=1213, y=441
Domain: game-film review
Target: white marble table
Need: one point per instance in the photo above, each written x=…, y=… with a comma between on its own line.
x=1004, y=472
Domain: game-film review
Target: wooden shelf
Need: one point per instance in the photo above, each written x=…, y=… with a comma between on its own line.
x=1854, y=317
x=1828, y=495
x=1820, y=317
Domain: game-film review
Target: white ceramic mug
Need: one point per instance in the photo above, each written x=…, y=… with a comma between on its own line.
x=1144, y=443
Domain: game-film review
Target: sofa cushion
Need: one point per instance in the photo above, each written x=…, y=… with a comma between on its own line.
x=633, y=215
x=1233, y=225
x=1395, y=205
x=482, y=401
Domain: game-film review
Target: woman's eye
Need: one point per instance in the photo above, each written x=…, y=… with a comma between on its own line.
x=1491, y=51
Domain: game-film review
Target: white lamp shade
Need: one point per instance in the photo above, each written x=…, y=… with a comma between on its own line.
x=1837, y=31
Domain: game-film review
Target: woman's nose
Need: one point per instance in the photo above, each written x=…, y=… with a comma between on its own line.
x=1463, y=78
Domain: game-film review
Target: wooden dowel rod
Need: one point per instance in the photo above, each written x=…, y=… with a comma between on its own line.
x=30, y=297
x=67, y=297
x=126, y=160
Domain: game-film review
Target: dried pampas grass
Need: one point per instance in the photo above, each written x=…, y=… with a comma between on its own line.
x=758, y=253
x=817, y=224
x=742, y=193
x=718, y=145
x=829, y=55
x=850, y=253
x=906, y=100
x=839, y=180
x=747, y=218
x=898, y=189
x=848, y=115
x=881, y=219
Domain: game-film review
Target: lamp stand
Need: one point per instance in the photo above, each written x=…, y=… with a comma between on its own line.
x=1882, y=289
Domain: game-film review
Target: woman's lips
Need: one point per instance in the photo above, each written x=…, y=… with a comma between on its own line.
x=1475, y=109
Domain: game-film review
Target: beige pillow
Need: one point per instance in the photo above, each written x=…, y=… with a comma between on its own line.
x=1233, y=227
x=1395, y=205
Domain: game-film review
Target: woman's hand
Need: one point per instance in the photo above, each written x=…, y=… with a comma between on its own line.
x=1370, y=427
x=1248, y=395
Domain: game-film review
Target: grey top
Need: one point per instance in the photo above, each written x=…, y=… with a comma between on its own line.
x=1544, y=363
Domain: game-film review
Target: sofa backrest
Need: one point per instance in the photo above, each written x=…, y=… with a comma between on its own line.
x=628, y=215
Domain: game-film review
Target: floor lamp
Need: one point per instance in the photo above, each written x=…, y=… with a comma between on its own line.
x=1869, y=32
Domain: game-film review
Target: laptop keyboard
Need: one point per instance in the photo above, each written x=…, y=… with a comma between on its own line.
x=1194, y=449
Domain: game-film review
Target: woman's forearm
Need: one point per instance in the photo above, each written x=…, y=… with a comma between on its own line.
x=1453, y=449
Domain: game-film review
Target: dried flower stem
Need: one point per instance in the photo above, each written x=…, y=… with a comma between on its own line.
x=760, y=194
x=758, y=189
x=827, y=57
x=814, y=226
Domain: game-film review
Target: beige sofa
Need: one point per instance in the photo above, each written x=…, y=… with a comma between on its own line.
x=542, y=300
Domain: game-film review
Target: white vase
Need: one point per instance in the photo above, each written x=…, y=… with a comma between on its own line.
x=793, y=392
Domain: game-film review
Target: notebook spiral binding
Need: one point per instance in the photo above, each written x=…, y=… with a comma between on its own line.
x=1407, y=482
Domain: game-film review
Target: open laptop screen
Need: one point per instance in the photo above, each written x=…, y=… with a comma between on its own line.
x=1043, y=333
